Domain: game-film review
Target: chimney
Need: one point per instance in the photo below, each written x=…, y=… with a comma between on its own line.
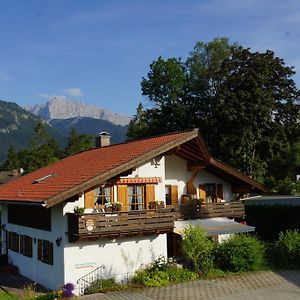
x=102, y=139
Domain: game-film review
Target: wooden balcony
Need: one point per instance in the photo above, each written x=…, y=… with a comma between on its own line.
x=211, y=210
x=120, y=224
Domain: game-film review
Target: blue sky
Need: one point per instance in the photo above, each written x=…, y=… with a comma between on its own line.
x=98, y=51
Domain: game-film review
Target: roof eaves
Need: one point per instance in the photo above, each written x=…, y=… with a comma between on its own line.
x=238, y=174
x=121, y=168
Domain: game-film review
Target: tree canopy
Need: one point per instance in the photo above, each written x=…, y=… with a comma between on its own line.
x=44, y=150
x=243, y=102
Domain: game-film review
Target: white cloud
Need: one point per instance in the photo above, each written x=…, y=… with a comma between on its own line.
x=74, y=92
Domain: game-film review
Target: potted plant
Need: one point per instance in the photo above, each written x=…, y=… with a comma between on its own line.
x=117, y=206
x=156, y=204
x=79, y=210
x=108, y=207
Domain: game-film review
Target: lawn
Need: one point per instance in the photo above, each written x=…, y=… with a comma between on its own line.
x=7, y=296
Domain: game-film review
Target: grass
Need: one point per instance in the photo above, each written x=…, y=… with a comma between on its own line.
x=7, y=296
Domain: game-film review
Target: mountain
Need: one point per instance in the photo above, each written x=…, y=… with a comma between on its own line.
x=62, y=108
x=17, y=128
x=85, y=125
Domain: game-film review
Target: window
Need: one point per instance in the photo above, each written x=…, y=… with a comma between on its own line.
x=26, y=245
x=45, y=251
x=135, y=197
x=168, y=195
x=210, y=190
x=30, y=216
x=103, y=195
x=13, y=241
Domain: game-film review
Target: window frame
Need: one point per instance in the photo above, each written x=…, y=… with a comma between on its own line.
x=45, y=251
x=212, y=193
x=13, y=241
x=26, y=245
x=133, y=203
x=100, y=194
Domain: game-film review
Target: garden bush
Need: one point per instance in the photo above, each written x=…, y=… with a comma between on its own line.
x=240, y=253
x=198, y=248
x=288, y=247
x=161, y=272
x=104, y=285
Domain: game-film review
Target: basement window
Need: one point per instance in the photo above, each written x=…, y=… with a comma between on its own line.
x=44, y=178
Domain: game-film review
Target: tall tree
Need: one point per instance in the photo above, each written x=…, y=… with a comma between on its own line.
x=78, y=143
x=42, y=152
x=243, y=102
x=12, y=161
x=254, y=111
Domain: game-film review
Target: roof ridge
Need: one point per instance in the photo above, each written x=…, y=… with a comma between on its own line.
x=136, y=140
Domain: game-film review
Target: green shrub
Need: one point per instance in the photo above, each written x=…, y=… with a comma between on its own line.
x=198, y=248
x=289, y=249
x=161, y=272
x=152, y=278
x=240, y=253
x=104, y=285
x=214, y=273
x=180, y=275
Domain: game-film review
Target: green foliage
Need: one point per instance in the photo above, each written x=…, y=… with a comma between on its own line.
x=289, y=248
x=214, y=273
x=78, y=143
x=17, y=128
x=286, y=186
x=251, y=87
x=227, y=91
x=162, y=272
x=152, y=278
x=198, y=248
x=104, y=285
x=240, y=253
x=7, y=296
x=12, y=161
x=43, y=151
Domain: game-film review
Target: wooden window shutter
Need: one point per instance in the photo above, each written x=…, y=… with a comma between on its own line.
x=174, y=195
x=122, y=196
x=202, y=192
x=219, y=191
x=150, y=194
x=89, y=199
x=40, y=246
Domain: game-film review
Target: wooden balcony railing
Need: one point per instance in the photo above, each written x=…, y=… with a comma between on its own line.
x=120, y=224
x=211, y=210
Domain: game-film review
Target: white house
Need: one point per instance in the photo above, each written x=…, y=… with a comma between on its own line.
x=52, y=245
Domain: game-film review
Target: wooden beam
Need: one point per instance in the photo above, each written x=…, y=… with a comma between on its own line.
x=191, y=189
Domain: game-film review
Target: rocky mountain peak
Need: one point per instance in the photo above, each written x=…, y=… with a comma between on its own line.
x=62, y=108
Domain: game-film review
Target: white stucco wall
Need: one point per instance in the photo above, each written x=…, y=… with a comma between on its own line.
x=177, y=173
x=149, y=169
x=51, y=276
x=121, y=257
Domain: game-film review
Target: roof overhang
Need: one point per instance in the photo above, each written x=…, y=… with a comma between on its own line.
x=235, y=175
x=78, y=189
x=213, y=226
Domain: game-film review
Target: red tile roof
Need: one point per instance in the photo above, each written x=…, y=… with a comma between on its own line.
x=73, y=174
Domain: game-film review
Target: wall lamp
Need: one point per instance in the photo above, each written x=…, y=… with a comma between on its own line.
x=58, y=241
